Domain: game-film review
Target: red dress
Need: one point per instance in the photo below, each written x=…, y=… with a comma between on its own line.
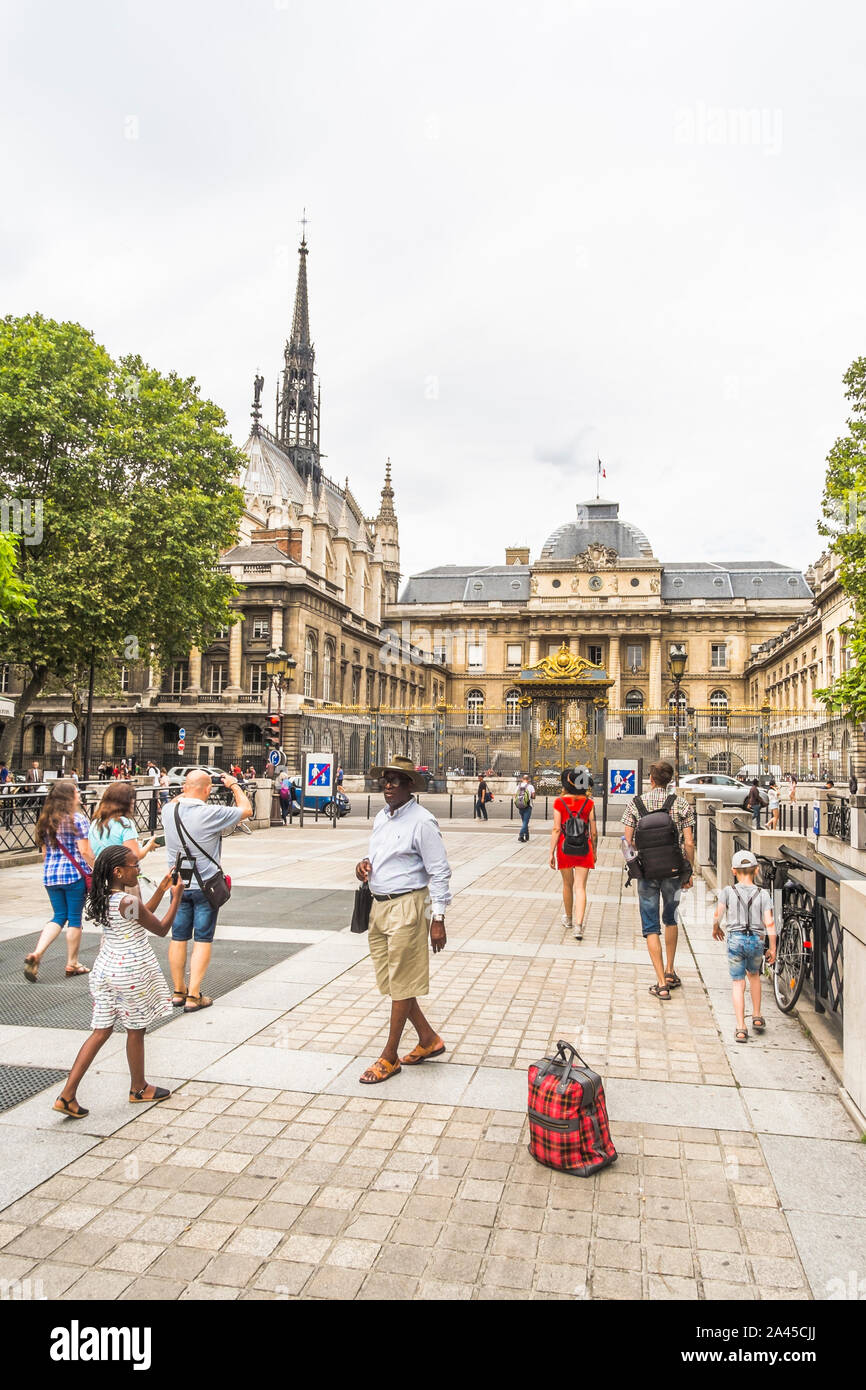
x=566, y=806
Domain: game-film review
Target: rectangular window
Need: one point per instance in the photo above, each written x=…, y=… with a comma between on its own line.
x=221, y=634
x=179, y=677
x=594, y=654
x=475, y=656
x=219, y=679
x=514, y=654
x=261, y=628
x=634, y=658
x=5, y=677
x=719, y=655
x=124, y=678
x=258, y=678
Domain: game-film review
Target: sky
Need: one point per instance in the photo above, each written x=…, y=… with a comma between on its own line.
x=540, y=234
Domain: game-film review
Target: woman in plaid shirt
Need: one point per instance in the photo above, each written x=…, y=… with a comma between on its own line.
x=61, y=834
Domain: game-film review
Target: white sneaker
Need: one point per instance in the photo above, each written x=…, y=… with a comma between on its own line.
x=567, y=922
x=578, y=932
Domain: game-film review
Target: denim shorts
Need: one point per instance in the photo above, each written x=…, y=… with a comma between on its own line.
x=195, y=917
x=649, y=892
x=67, y=902
x=745, y=954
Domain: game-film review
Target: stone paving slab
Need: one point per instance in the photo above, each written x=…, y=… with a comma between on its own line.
x=782, y=1069
x=51, y=1047
x=26, y=1158
x=798, y=1113
x=282, y=1068
x=833, y=1252
x=818, y=1175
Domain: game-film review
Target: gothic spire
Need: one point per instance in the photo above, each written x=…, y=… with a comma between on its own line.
x=301, y=320
x=386, y=511
x=298, y=403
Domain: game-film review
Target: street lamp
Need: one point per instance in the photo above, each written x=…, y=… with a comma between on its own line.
x=279, y=667
x=677, y=667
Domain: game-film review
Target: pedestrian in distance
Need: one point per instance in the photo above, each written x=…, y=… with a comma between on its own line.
x=126, y=983
x=660, y=824
x=190, y=818
x=164, y=787
x=573, y=844
x=753, y=803
x=523, y=800
x=406, y=867
x=61, y=834
x=774, y=806
x=113, y=822
x=285, y=794
x=33, y=773
x=749, y=914
x=482, y=796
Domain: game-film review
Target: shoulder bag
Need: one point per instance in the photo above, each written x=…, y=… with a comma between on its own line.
x=217, y=889
x=85, y=873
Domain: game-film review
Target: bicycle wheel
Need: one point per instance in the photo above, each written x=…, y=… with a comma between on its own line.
x=789, y=968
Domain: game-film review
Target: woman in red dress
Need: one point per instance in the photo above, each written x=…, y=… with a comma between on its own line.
x=576, y=800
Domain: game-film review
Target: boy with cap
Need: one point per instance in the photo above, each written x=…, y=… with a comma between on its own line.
x=749, y=912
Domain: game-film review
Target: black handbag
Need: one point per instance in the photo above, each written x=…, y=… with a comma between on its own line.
x=216, y=889
x=361, y=909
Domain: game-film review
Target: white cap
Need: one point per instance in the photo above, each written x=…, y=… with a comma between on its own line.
x=744, y=859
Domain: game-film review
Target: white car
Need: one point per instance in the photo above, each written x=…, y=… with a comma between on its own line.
x=720, y=787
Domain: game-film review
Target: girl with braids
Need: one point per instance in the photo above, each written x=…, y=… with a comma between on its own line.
x=113, y=822
x=126, y=982
x=61, y=834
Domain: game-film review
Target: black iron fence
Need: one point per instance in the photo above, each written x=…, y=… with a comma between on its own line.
x=839, y=818
x=812, y=887
x=714, y=840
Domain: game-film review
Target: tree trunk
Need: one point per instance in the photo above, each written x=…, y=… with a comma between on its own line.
x=12, y=728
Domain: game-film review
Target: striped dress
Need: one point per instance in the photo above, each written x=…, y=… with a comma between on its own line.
x=126, y=982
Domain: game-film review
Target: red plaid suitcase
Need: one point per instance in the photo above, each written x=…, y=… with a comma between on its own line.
x=568, y=1125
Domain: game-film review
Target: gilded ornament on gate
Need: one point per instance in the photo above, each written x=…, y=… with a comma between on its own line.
x=576, y=733
x=547, y=734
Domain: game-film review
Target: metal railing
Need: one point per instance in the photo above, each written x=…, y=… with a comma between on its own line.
x=796, y=817
x=827, y=936
x=714, y=840
x=839, y=818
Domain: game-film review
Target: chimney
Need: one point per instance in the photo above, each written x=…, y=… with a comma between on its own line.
x=287, y=539
x=517, y=555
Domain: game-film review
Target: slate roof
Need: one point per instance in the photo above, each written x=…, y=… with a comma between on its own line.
x=468, y=584
x=750, y=579
x=598, y=522
x=270, y=473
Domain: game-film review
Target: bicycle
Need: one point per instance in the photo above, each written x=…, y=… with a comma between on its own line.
x=793, y=961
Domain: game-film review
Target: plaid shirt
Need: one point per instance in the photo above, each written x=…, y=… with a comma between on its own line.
x=654, y=800
x=57, y=871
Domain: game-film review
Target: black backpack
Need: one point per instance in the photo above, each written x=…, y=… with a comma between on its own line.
x=657, y=840
x=576, y=841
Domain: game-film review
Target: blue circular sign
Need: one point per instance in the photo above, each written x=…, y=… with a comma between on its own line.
x=274, y=756
x=181, y=733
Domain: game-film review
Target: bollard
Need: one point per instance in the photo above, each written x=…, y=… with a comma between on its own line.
x=545, y=808
x=451, y=806
x=511, y=810
x=368, y=808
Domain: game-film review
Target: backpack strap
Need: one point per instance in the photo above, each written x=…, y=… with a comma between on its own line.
x=669, y=802
x=641, y=808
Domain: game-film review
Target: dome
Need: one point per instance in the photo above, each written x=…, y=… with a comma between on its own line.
x=598, y=523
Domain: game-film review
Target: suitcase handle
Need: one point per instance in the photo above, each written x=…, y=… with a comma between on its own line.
x=566, y=1054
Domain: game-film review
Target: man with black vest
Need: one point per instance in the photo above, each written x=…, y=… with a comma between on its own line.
x=660, y=824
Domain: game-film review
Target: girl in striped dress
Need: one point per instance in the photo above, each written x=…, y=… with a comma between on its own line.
x=126, y=982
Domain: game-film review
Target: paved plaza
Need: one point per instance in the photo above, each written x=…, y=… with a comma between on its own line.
x=272, y=1173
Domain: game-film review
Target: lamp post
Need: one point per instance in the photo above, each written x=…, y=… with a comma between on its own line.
x=279, y=667
x=764, y=756
x=677, y=667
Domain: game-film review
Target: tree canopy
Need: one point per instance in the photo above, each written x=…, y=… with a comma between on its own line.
x=844, y=510
x=14, y=595
x=131, y=474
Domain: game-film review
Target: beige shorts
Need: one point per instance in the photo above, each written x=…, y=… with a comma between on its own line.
x=398, y=937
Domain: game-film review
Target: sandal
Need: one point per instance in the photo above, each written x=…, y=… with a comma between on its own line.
x=741, y=1035
x=672, y=980
x=759, y=1023
x=380, y=1071
x=661, y=992
x=178, y=997
x=139, y=1098
x=65, y=1108
x=422, y=1054
x=203, y=1003
x=31, y=969
x=76, y=970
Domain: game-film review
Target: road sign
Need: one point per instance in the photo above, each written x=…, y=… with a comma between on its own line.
x=181, y=733
x=64, y=733
x=275, y=756
x=180, y=745
x=319, y=774
x=623, y=778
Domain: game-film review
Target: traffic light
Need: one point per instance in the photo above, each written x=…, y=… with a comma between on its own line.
x=273, y=733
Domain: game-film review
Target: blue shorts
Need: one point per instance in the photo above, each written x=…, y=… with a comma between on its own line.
x=649, y=892
x=195, y=917
x=67, y=903
x=745, y=954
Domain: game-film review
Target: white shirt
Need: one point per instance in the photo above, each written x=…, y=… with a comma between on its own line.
x=153, y=774
x=525, y=787
x=407, y=853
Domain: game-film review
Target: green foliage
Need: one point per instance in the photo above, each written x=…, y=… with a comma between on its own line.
x=133, y=471
x=844, y=509
x=15, y=597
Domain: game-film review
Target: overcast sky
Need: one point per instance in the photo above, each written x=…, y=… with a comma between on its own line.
x=539, y=233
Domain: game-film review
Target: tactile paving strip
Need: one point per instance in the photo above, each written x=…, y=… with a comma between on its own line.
x=55, y=1002
x=20, y=1083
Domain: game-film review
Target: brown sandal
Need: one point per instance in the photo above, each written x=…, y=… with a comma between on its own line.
x=203, y=1002
x=31, y=969
x=178, y=997
x=76, y=970
x=380, y=1071
x=422, y=1054
x=65, y=1108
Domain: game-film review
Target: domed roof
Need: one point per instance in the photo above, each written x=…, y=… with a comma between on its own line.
x=598, y=523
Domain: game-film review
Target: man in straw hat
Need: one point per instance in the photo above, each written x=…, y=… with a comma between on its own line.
x=406, y=867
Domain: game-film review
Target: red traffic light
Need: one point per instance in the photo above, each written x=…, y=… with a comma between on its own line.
x=274, y=721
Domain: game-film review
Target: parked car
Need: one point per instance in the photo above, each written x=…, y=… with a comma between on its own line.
x=338, y=804
x=720, y=787
x=177, y=774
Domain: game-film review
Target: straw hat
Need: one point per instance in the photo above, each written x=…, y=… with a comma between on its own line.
x=405, y=767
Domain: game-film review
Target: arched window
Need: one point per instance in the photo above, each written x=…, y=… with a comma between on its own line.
x=718, y=710
x=512, y=709
x=634, y=724
x=831, y=659
x=677, y=717
x=475, y=707
x=212, y=734
x=118, y=740
x=311, y=657
x=328, y=670
x=720, y=762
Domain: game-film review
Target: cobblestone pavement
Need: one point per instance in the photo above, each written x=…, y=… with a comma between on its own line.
x=271, y=1173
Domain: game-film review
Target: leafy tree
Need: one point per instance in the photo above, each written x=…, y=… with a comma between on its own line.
x=131, y=471
x=14, y=595
x=844, y=508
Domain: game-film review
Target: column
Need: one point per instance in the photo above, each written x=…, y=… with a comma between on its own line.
x=613, y=670
x=276, y=627
x=236, y=641
x=656, y=671
x=194, y=686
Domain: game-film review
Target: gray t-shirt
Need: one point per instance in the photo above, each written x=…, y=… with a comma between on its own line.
x=745, y=907
x=205, y=823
